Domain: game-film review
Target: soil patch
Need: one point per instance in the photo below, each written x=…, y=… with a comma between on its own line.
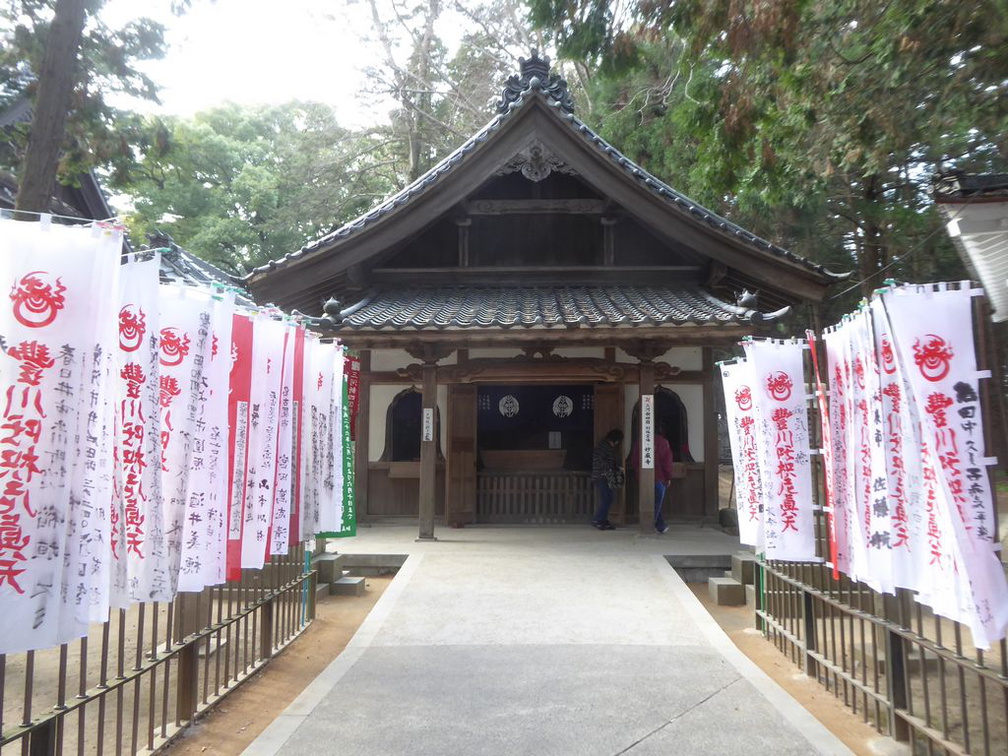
x=232, y=725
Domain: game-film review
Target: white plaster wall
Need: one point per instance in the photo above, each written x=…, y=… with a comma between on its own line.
x=598, y=352
x=684, y=358
x=393, y=359
x=631, y=393
x=503, y=352
x=381, y=397
x=692, y=398
x=494, y=352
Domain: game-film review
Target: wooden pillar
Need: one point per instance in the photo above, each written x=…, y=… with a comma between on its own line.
x=710, y=437
x=428, y=452
x=646, y=478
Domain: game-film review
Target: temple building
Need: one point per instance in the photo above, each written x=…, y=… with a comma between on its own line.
x=514, y=304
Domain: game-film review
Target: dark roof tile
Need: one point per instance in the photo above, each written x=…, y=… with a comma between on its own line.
x=459, y=307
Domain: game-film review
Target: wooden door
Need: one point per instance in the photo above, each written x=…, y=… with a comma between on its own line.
x=460, y=483
x=609, y=415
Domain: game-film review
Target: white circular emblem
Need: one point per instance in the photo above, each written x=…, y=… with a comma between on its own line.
x=563, y=406
x=508, y=406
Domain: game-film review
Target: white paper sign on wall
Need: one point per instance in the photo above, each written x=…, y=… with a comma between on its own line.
x=647, y=431
x=428, y=424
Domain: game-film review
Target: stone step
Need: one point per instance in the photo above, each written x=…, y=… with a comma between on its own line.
x=697, y=568
x=330, y=567
x=347, y=586
x=743, y=568
x=726, y=591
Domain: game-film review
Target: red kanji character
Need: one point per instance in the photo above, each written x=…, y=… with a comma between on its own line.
x=936, y=406
x=132, y=327
x=134, y=376
x=169, y=390
x=17, y=426
x=174, y=346
x=933, y=357
x=13, y=459
x=8, y=573
x=12, y=537
x=779, y=385
x=34, y=360
x=36, y=300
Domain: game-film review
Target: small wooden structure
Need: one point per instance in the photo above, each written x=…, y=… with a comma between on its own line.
x=513, y=304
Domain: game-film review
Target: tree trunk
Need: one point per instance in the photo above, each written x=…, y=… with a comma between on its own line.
x=55, y=85
x=872, y=247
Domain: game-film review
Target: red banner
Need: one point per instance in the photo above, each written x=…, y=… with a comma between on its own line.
x=238, y=403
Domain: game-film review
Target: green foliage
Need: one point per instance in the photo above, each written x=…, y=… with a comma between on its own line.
x=108, y=58
x=241, y=185
x=816, y=124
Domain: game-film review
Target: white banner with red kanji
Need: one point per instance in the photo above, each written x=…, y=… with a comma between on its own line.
x=185, y=347
x=737, y=382
x=58, y=333
x=783, y=440
x=139, y=545
x=932, y=330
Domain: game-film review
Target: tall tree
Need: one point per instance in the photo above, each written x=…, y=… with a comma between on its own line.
x=242, y=185
x=56, y=80
x=59, y=56
x=854, y=101
x=441, y=97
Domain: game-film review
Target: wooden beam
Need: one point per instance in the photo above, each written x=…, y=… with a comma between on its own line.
x=537, y=207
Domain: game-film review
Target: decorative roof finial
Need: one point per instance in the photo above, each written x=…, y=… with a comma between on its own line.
x=535, y=74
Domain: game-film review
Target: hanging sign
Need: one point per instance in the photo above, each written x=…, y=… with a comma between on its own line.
x=352, y=368
x=138, y=528
x=58, y=324
x=647, y=432
x=239, y=387
x=279, y=529
x=184, y=352
x=902, y=444
x=428, y=424
x=870, y=470
x=737, y=382
x=783, y=440
x=268, y=339
x=933, y=338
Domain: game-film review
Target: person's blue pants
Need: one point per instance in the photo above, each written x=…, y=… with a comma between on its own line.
x=659, y=496
x=604, y=496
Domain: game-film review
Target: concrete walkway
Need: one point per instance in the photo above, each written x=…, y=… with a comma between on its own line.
x=542, y=640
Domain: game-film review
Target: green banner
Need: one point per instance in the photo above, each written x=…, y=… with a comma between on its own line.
x=348, y=522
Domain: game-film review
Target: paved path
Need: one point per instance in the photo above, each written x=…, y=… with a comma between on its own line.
x=542, y=641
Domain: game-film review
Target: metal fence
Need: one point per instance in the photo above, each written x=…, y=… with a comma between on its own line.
x=912, y=675
x=135, y=681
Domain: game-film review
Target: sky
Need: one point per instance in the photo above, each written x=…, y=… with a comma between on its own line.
x=265, y=51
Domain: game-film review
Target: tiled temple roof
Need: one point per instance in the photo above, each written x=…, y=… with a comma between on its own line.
x=461, y=307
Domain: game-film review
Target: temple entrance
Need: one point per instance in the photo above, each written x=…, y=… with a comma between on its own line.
x=533, y=457
x=671, y=418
